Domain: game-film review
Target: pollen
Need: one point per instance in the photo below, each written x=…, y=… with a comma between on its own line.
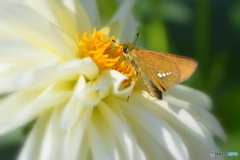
x=105, y=53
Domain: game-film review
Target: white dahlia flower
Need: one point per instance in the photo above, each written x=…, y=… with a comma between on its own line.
x=57, y=68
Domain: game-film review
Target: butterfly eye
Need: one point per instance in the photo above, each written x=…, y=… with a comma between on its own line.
x=124, y=50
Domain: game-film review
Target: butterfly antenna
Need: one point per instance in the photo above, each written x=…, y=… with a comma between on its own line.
x=136, y=38
x=115, y=41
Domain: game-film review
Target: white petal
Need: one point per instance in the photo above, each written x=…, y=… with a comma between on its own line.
x=70, y=113
x=81, y=17
x=5, y=67
x=122, y=132
x=106, y=133
x=183, y=114
x=47, y=73
x=24, y=106
x=33, y=144
x=191, y=95
x=14, y=50
x=85, y=94
x=202, y=149
x=123, y=24
x=201, y=115
x=74, y=138
x=89, y=94
x=83, y=152
x=116, y=78
x=98, y=149
x=17, y=78
x=56, y=13
x=22, y=22
x=85, y=67
x=130, y=30
x=149, y=144
x=187, y=125
x=51, y=145
x=158, y=129
x=92, y=11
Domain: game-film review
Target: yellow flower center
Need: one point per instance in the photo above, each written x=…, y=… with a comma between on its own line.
x=104, y=53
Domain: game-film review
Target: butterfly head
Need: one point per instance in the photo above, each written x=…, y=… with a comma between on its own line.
x=128, y=48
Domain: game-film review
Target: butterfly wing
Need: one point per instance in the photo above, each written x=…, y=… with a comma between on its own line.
x=186, y=65
x=157, y=71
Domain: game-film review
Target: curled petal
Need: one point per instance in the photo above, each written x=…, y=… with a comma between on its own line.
x=91, y=93
x=116, y=79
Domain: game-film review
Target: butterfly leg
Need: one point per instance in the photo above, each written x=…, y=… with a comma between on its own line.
x=119, y=62
x=152, y=89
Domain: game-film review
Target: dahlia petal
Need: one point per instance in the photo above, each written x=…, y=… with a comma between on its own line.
x=130, y=30
x=51, y=146
x=191, y=95
x=83, y=152
x=5, y=67
x=57, y=14
x=120, y=22
x=66, y=20
x=203, y=147
x=184, y=114
x=122, y=132
x=23, y=78
x=151, y=147
x=116, y=79
x=106, y=132
x=75, y=105
x=70, y=113
x=33, y=143
x=24, y=106
x=23, y=52
x=201, y=115
x=73, y=141
x=80, y=15
x=190, y=129
x=47, y=73
x=85, y=67
x=92, y=11
x=54, y=12
x=34, y=28
x=96, y=143
x=84, y=112
x=159, y=129
x=91, y=93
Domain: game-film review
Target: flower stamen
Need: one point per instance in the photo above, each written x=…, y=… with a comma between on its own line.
x=105, y=54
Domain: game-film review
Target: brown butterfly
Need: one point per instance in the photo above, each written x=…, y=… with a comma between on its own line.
x=160, y=71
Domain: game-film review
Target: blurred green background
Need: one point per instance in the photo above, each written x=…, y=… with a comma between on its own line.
x=208, y=31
